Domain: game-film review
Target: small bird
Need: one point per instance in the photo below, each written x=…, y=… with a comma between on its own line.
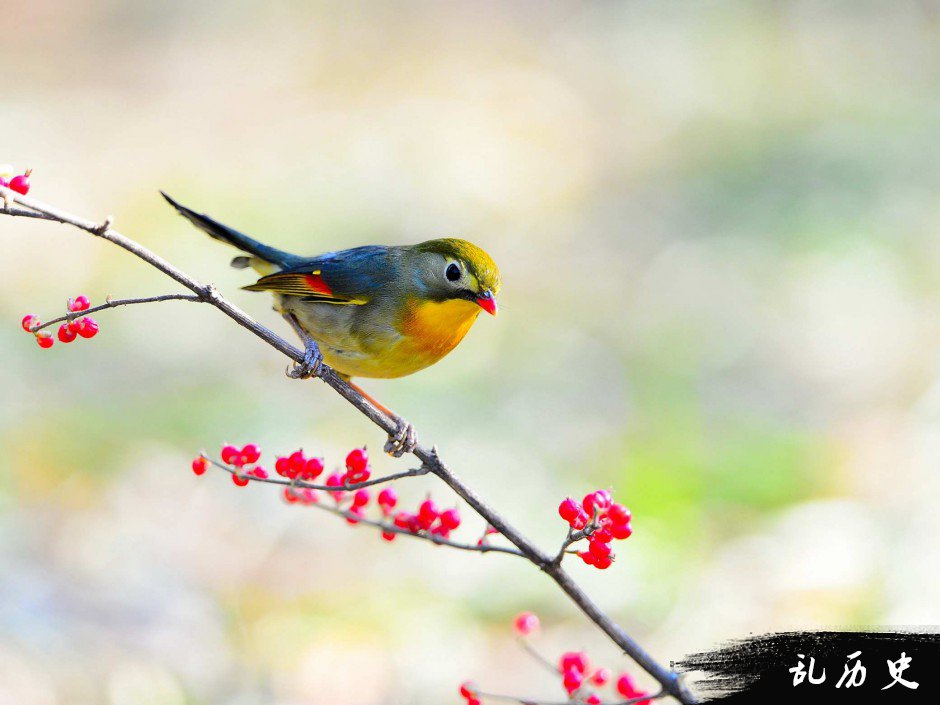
x=372, y=311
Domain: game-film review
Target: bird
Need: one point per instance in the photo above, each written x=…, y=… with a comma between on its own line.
x=379, y=311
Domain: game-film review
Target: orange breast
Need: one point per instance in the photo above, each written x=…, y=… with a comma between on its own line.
x=435, y=328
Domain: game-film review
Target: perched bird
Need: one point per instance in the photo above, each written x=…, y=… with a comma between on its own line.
x=373, y=311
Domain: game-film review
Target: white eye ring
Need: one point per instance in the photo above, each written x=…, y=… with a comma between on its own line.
x=452, y=272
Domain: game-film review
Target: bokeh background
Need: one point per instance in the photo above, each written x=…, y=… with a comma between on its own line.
x=718, y=229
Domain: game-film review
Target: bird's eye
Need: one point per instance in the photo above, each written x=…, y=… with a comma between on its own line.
x=452, y=273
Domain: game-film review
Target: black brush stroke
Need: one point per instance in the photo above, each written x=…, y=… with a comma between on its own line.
x=756, y=669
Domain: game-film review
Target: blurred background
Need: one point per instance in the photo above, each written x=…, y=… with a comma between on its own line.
x=717, y=225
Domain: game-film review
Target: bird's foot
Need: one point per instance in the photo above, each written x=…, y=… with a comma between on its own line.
x=310, y=366
x=404, y=440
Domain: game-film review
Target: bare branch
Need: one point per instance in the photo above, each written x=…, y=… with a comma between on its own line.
x=668, y=679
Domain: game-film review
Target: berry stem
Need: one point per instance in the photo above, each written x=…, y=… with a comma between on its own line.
x=381, y=525
x=114, y=303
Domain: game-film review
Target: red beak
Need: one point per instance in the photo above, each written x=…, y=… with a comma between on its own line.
x=487, y=303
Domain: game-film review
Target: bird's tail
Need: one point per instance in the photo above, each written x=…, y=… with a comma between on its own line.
x=218, y=231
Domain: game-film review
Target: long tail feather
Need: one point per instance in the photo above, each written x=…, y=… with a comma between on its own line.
x=218, y=231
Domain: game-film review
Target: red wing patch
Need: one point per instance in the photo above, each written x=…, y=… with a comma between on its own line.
x=317, y=285
x=310, y=287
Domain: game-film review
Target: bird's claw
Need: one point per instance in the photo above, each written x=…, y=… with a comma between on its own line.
x=310, y=366
x=404, y=440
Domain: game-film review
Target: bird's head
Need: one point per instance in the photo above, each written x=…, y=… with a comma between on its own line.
x=448, y=269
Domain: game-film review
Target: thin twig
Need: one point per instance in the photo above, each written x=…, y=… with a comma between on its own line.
x=573, y=537
x=114, y=303
x=23, y=213
x=667, y=678
x=529, y=701
x=384, y=526
x=531, y=650
x=349, y=486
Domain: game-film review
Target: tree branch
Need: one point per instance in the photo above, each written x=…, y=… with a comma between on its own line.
x=668, y=679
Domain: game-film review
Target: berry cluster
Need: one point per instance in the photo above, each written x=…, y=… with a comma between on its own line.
x=13, y=181
x=297, y=466
x=427, y=521
x=601, y=521
x=244, y=461
x=84, y=327
x=578, y=678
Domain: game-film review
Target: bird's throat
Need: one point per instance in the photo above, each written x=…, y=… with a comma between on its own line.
x=436, y=327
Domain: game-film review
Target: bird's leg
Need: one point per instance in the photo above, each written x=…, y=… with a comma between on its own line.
x=313, y=358
x=404, y=439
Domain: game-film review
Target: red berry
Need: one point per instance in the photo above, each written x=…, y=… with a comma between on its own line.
x=526, y=623
x=79, y=303
x=427, y=513
x=357, y=460
x=290, y=496
x=599, y=549
x=596, y=501
x=388, y=498
x=473, y=701
x=20, y=183
x=358, y=475
x=44, y=339
x=313, y=468
x=572, y=680
x=230, y=455
x=200, y=465
x=618, y=514
x=626, y=687
x=239, y=480
x=250, y=454
x=603, y=534
x=88, y=327
x=282, y=466
x=573, y=661
x=603, y=562
x=298, y=463
x=336, y=480
x=361, y=498
x=580, y=521
x=354, y=515
x=587, y=557
x=402, y=520
x=491, y=530
x=601, y=676
x=621, y=531
x=450, y=519
x=389, y=535
x=593, y=699
x=259, y=472
x=569, y=509
x=467, y=690
x=30, y=321
x=75, y=325
x=66, y=334
x=439, y=531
